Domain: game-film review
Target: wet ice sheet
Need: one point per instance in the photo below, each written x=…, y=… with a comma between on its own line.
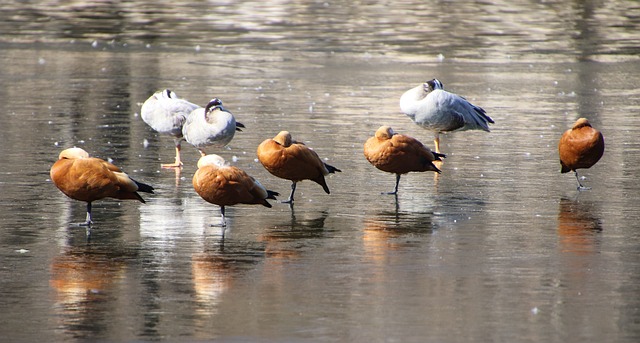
x=498, y=247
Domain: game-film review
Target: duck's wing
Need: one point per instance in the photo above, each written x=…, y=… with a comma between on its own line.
x=473, y=117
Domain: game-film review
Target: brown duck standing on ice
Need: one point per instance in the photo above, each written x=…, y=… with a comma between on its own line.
x=399, y=154
x=85, y=178
x=580, y=147
x=294, y=161
x=224, y=185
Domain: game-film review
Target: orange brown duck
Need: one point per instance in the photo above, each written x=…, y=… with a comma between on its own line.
x=291, y=160
x=224, y=185
x=88, y=179
x=399, y=154
x=580, y=147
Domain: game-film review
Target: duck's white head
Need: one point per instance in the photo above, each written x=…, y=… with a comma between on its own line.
x=432, y=85
x=214, y=104
x=166, y=94
x=212, y=159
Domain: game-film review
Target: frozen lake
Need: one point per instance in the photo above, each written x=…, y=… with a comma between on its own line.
x=499, y=247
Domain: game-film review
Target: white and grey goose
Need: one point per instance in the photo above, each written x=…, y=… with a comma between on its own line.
x=166, y=114
x=213, y=126
x=435, y=109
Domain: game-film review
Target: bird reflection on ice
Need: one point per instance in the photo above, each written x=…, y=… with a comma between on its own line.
x=282, y=240
x=215, y=269
x=212, y=276
x=85, y=281
x=381, y=230
x=578, y=227
x=166, y=219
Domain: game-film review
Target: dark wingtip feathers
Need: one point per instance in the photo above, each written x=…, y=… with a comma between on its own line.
x=332, y=169
x=437, y=156
x=143, y=187
x=482, y=113
x=272, y=195
x=139, y=198
x=239, y=126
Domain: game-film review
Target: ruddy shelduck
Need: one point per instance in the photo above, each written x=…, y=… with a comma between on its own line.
x=294, y=161
x=399, y=154
x=166, y=114
x=437, y=110
x=580, y=147
x=88, y=179
x=224, y=185
x=213, y=126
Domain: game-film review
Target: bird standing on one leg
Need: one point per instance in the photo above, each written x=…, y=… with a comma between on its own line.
x=580, y=147
x=223, y=185
x=85, y=178
x=399, y=154
x=435, y=109
x=294, y=161
x=166, y=114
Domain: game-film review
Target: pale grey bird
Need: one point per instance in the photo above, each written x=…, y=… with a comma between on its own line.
x=166, y=113
x=213, y=125
x=435, y=109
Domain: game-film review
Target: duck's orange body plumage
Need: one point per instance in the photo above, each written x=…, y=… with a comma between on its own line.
x=225, y=185
x=399, y=154
x=294, y=161
x=580, y=147
x=88, y=179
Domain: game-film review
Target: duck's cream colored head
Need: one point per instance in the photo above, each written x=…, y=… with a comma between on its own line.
x=283, y=138
x=212, y=160
x=582, y=122
x=385, y=132
x=73, y=153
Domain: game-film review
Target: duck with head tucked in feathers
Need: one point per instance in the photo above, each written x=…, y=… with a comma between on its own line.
x=224, y=185
x=88, y=179
x=166, y=114
x=291, y=160
x=435, y=109
x=212, y=126
x=399, y=154
x=580, y=147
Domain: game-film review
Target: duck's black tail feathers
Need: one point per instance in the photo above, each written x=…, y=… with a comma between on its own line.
x=332, y=169
x=143, y=187
x=272, y=195
x=438, y=156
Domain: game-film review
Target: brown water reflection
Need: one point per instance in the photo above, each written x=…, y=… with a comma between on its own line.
x=499, y=247
x=578, y=227
x=84, y=283
x=388, y=232
x=213, y=274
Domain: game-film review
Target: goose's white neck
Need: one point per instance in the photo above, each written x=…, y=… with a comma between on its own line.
x=410, y=100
